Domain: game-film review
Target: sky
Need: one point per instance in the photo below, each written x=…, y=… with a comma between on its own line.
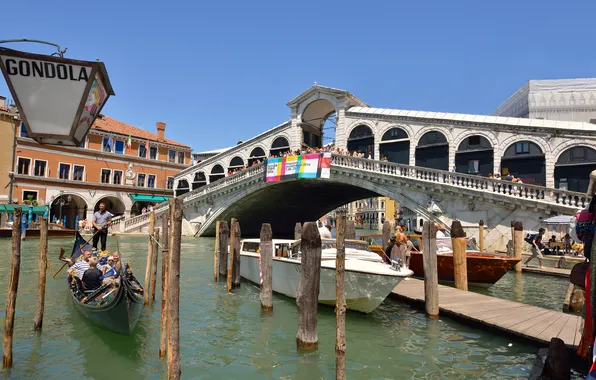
x=221, y=71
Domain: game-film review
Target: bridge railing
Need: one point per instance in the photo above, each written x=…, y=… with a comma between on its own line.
x=520, y=190
x=141, y=220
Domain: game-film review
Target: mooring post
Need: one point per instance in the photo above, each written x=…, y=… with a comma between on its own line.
x=267, y=267
x=458, y=244
x=511, y=252
x=43, y=266
x=431, y=277
x=216, y=253
x=340, y=296
x=386, y=233
x=307, y=296
x=236, y=247
x=174, y=290
x=481, y=234
x=231, y=256
x=350, y=230
x=224, y=239
x=149, y=258
x=155, y=257
x=13, y=285
x=163, y=330
x=518, y=245
x=298, y=231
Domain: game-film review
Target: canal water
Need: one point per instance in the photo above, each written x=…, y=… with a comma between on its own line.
x=226, y=336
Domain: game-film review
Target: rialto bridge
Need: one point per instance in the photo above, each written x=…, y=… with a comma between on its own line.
x=548, y=156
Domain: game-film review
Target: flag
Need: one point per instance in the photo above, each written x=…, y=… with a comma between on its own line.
x=147, y=148
x=129, y=143
x=192, y=159
x=110, y=273
x=111, y=142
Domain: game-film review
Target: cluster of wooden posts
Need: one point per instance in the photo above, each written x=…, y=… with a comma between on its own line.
x=13, y=284
x=226, y=264
x=171, y=238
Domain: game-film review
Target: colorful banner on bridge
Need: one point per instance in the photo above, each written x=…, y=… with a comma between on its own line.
x=314, y=165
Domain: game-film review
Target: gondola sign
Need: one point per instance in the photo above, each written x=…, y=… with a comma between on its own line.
x=58, y=98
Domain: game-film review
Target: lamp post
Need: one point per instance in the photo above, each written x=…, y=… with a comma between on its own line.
x=63, y=201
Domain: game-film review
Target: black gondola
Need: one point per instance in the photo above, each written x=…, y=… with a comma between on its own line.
x=114, y=306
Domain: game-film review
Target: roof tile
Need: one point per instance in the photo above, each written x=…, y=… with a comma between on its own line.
x=108, y=124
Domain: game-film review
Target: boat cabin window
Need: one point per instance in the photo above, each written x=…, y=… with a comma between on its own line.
x=251, y=247
x=363, y=246
x=282, y=250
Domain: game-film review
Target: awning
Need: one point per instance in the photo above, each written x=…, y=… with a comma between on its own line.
x=148, y=198
x=10, y=208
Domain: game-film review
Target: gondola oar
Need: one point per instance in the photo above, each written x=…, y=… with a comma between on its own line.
x=74, y=254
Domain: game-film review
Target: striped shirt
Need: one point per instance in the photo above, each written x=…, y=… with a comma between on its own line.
x=80, y=266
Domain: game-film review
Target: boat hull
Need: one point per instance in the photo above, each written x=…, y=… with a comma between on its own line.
x=34, y=233
x=120, y=315
x=364, y=291
x=483, y=270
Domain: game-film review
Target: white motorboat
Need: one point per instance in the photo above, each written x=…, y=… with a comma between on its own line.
x=368, y=281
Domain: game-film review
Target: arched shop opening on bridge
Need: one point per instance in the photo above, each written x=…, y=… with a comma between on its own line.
x=114, y=205
x=475, y=155
x=314, y=121
x=144, y=201
x=432, y=151
x=199, y=180
x=395, y=146
x=573, y=168
x=182, y=187
x=217, y=172
x=257, y=155
x=236, y=163
x=362, y=139
x=279, y=146
x=525, y=160
x=68, y=209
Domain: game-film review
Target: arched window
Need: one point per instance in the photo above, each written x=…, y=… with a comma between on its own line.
x=217, y=172
x=432, y=138
x=474, y=156
x=257, y=154
x=525, y=160
x=395, y=146
x=432, y=151
x=199, y=180
x=237, y=163
x=182, y=187
x=362, y=139
x=279, y=146
x=573, y=168
x=394, y=134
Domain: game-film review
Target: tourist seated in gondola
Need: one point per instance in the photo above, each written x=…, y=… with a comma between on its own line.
x=79, y=267
x=91, y=277
x=110, y=274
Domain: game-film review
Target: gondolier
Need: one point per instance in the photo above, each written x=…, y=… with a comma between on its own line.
x=101, y=221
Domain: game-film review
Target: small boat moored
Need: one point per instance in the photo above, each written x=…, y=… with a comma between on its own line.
x=115, y=305
x=367, y=282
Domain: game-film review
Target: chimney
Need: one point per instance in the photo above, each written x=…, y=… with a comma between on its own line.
x=2, y=101
x=161, y=130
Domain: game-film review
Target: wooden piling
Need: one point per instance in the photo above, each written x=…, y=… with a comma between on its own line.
x=231, y=255
x=557, y=363
x=431, y=276
x=148, y=270
x=386, y=233
x=307, y=295
x=298, y=231
x=43, y=266
x=518, y=244
x=163, y=330
x=267, y=267
x=458, y=244
x=340, y=296
x=154, y=255
x=216, y=253
x=224, y=239
x=235, y=245
x=511, y=252
x=350, y=230
x=174, y=371
x=481, y=234
x=13, y=285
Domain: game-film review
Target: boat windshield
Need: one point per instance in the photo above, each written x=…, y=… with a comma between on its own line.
x=349, y=244
x=373, y=239
x=444, y=245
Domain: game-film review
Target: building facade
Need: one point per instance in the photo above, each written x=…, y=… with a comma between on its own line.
x=123, y=166
x=8, y=125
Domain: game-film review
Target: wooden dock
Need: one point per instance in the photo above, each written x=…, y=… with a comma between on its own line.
x=558, y=272
x=530, y=322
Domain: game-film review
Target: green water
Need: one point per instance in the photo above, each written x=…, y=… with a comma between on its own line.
x=225, y=336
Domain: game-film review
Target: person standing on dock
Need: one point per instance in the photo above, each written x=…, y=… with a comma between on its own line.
x=101, y=221
x=536, y=242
